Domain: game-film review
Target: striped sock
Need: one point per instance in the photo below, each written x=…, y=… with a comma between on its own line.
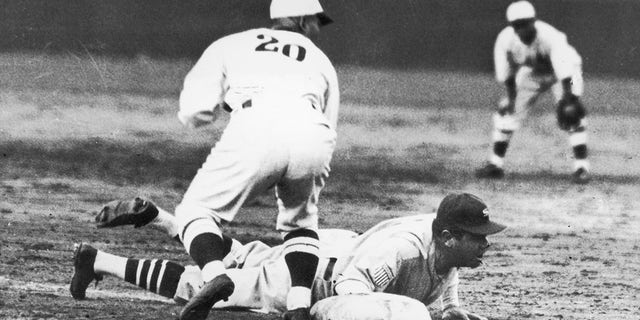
x=501, y=140
x=301, y=255
x=157, y=276
x=578, y=142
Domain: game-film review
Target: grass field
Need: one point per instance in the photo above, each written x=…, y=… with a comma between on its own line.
x=78, y=131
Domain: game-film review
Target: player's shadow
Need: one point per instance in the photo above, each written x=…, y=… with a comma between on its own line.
x=551, y=176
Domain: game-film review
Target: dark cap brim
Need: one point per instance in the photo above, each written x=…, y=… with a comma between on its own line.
x=487, y=228
x=324, y=18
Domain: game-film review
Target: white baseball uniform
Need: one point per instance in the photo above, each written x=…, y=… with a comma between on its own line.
x=282, y=92
x=395, y=256
x=536, y=67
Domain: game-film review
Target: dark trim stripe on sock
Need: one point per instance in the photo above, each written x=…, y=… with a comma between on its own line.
x=142, y=282
x=580, y=151
x=302, y=267
x=169, y=279
x=500, y=148
x=154, y=276
x=206, y=247
x=130, y=271
x=301, y=233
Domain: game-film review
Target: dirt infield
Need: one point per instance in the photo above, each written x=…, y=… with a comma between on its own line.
x=570, y=252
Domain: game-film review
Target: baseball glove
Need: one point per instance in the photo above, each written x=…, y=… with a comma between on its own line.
x=569, y=112
x=137, y=212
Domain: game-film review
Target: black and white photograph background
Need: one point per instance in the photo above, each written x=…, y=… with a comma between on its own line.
x=464, y=159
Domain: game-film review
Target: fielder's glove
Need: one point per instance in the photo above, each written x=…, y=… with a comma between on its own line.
x=137, y=212
x=569, y=112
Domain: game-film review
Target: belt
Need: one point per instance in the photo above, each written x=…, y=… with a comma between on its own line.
x=227, y=108
x=247, y=104
x=328, y=272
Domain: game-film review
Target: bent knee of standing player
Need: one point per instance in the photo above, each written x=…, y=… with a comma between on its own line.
x=193, y=220
x=297, y=201
x=302, y=216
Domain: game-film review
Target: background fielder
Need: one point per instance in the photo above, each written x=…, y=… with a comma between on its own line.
x=282, y=92
x=416, y=256
x=531, y=57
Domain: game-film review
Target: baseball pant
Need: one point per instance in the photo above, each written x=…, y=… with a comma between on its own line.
x=287, y=145
x=529, y=87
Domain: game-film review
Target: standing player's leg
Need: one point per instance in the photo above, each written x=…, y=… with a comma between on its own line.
x=201, y=236
x=245, y=162
x=298, y=193
x=577, y=133
x=299, y=225
x=505, y=123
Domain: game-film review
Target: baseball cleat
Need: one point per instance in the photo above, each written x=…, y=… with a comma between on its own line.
x=220, y=288
x=490, y=171
x=83, y=259
x=297, y=314
x=137, y=212
x=581, y=176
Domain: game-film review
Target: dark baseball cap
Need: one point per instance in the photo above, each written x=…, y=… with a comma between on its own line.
x=468, y=213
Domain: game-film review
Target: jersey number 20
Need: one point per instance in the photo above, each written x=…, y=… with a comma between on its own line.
x=273, y=45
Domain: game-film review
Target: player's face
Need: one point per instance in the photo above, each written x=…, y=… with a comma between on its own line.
x=470, y=249
x=311, y=27
x=525, y=29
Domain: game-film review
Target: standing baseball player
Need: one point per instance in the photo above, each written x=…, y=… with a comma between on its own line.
x=282, y=93
x=531, y=57
x=415, y=256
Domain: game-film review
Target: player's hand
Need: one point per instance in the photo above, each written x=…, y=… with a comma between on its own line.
x=506, y=106
x=457, y=313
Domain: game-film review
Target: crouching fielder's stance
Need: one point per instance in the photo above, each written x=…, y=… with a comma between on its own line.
x=532, y=57
x=416, y=256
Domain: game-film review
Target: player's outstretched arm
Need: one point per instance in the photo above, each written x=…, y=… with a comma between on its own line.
x=137, y=212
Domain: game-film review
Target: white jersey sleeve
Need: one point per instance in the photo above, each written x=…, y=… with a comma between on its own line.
x=203, y=88
x=374, y=269
x=503, y=63
x=564, y=57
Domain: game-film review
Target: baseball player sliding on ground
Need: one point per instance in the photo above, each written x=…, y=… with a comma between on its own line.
x=415, y=256
x=282, y=93
x=530, y=58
